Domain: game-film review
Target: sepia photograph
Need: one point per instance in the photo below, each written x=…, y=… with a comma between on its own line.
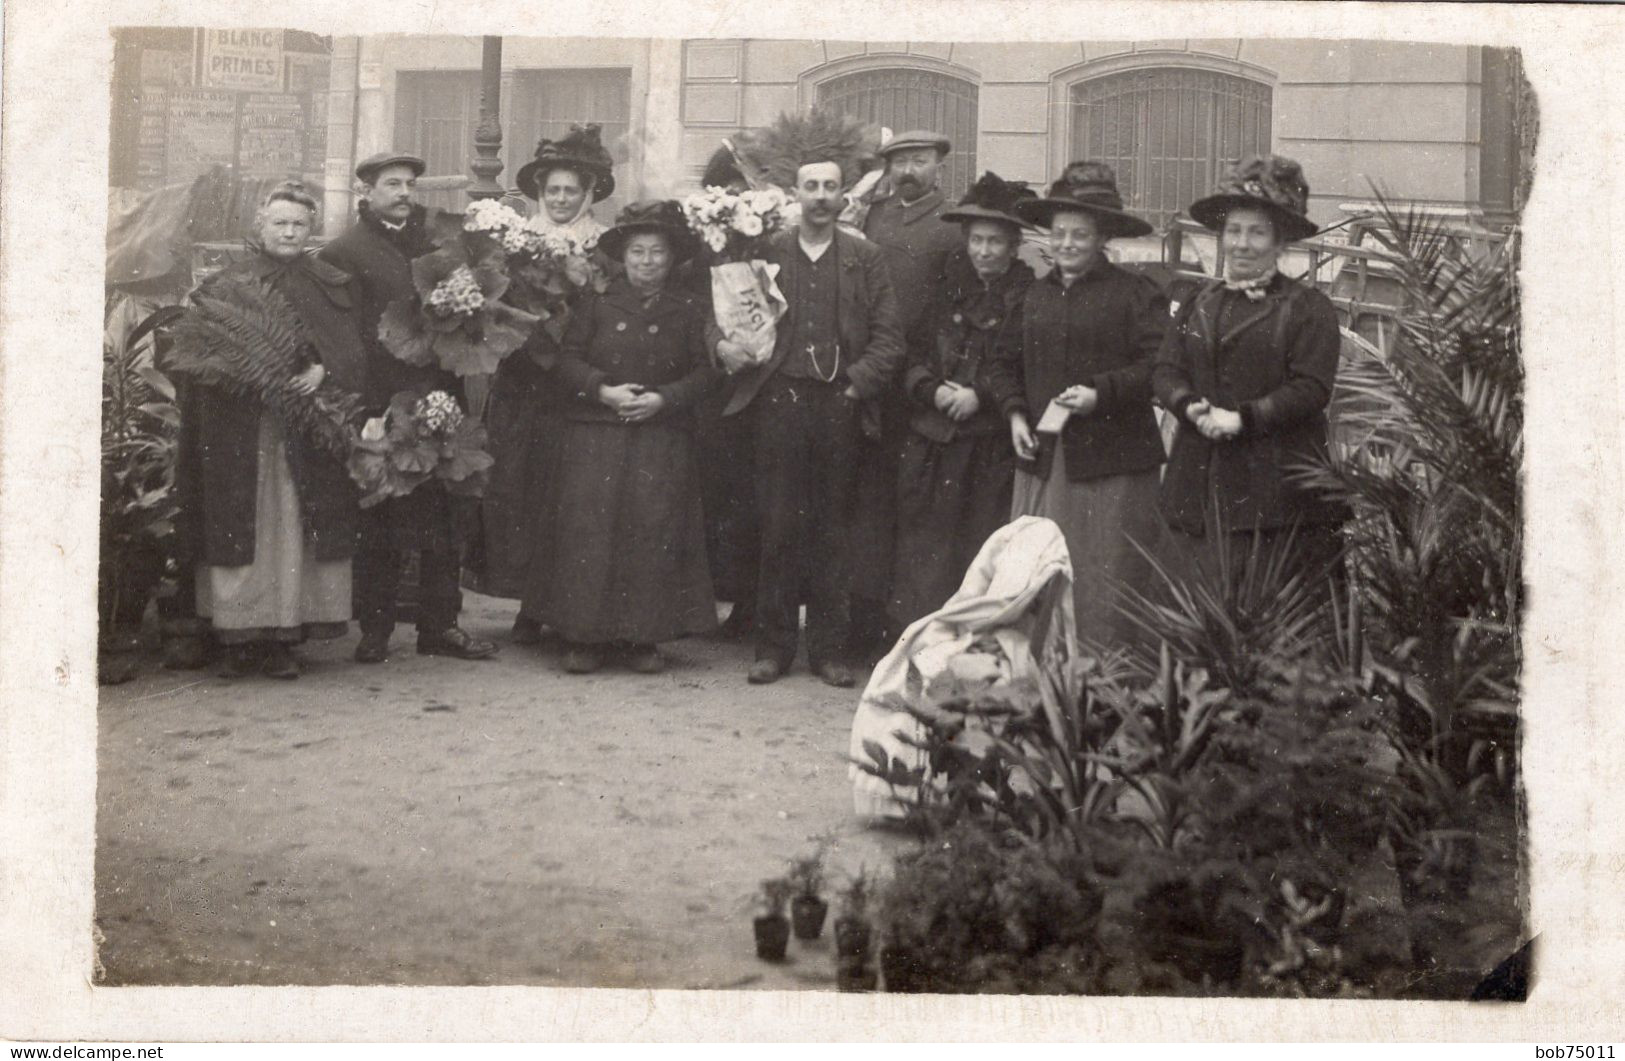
x=1021, y=517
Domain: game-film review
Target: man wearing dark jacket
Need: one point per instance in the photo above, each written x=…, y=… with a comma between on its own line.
x=838, y=345
x=378, y=251
x=907, y=227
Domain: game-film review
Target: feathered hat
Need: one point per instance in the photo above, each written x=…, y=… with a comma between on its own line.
x=1269, y=183
x=1090, y=187
x=774, y=154
x=991, y=199
x=580, y=150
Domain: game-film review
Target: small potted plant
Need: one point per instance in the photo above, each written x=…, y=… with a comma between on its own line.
x=852, y=929
x=852, y=938
x=772, y=927
x=808, y=909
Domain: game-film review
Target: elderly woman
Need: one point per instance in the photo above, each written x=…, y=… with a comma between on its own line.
x=955, y=472
x=269, y=514
x=1075, y=386
x=1247, y=370
x=566, y=178
x=627, y=565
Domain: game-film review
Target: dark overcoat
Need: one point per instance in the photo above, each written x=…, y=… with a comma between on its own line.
x=871, y=341
x=1274, y=361
x=380, y=260
x=1102, y=332
x=917, y=244
x=954, y=341
x=615, y=338
x=217, y=458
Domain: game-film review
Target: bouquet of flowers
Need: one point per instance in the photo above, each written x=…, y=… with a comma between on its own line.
x=744, y=289
x=546, y=268
x=419, y=437
x=735, y=225
x=458, y=318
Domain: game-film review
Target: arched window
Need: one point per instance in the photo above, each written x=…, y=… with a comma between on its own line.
x=902, y=98
x=1168, y=131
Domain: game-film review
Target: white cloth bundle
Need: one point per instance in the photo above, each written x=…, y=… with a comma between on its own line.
x=1018, y=589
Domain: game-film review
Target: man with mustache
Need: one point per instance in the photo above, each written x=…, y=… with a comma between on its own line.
x=838, y=345
x=377, y=251
x=907, y=226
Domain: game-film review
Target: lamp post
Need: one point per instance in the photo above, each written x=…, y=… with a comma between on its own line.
x=488, y=133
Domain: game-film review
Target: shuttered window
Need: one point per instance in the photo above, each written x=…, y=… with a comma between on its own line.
x=547, y=102
x=436, y=112
x=1169, y=132
x=901, y=99
x=435, y=115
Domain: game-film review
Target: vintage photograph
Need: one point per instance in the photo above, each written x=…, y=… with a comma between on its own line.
x=988, y=517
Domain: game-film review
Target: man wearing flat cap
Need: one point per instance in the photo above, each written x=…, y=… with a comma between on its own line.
x=907, y=227
x=377, y=251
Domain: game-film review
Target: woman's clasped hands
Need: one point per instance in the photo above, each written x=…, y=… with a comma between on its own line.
x=1215, y=424
x=632, y=402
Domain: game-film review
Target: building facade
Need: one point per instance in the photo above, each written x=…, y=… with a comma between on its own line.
x=1446, y=125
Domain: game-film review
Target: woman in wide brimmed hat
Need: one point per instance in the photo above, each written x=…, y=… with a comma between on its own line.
x=1081, y=361
x=1247, y=369
x=566, y=178
x=627, y=566
x=955, y=468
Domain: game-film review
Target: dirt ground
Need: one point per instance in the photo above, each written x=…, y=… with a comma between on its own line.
x=435, y=821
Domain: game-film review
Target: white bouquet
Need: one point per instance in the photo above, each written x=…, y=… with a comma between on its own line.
x=744, y=294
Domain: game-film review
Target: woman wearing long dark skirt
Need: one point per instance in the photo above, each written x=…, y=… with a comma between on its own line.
x=1247, y=369
x=1083, y=363
x=627, y=564
x=566, y=178
x=956, y=468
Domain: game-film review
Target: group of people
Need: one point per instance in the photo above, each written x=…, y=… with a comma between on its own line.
x=926, y=387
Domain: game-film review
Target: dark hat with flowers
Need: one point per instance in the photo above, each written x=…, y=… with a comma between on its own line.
x=581, y=151
x=991, y=198
x=1264, y=182
x=651, y=215
x=1089, y=187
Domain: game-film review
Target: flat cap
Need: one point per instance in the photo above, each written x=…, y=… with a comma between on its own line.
x=368, y=167
x=916, y=138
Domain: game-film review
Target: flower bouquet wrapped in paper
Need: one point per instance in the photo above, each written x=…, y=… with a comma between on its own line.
x=744, y=293
x=419, y=437
x=458, y=319
x=546, y=269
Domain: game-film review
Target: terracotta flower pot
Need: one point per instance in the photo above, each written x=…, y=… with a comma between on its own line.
x=807, y=913
x=772, y=936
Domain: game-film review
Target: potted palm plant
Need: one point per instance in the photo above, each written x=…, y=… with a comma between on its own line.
x=808, y=909
x=772, y=927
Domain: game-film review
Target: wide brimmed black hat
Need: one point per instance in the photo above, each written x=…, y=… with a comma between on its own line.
x=367, y=169
x=651, y=215
x=1269, y=183
x=1090, y=187
x=581, y=151
x=991, y=198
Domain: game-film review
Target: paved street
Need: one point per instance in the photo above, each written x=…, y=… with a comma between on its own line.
x=433, y=821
